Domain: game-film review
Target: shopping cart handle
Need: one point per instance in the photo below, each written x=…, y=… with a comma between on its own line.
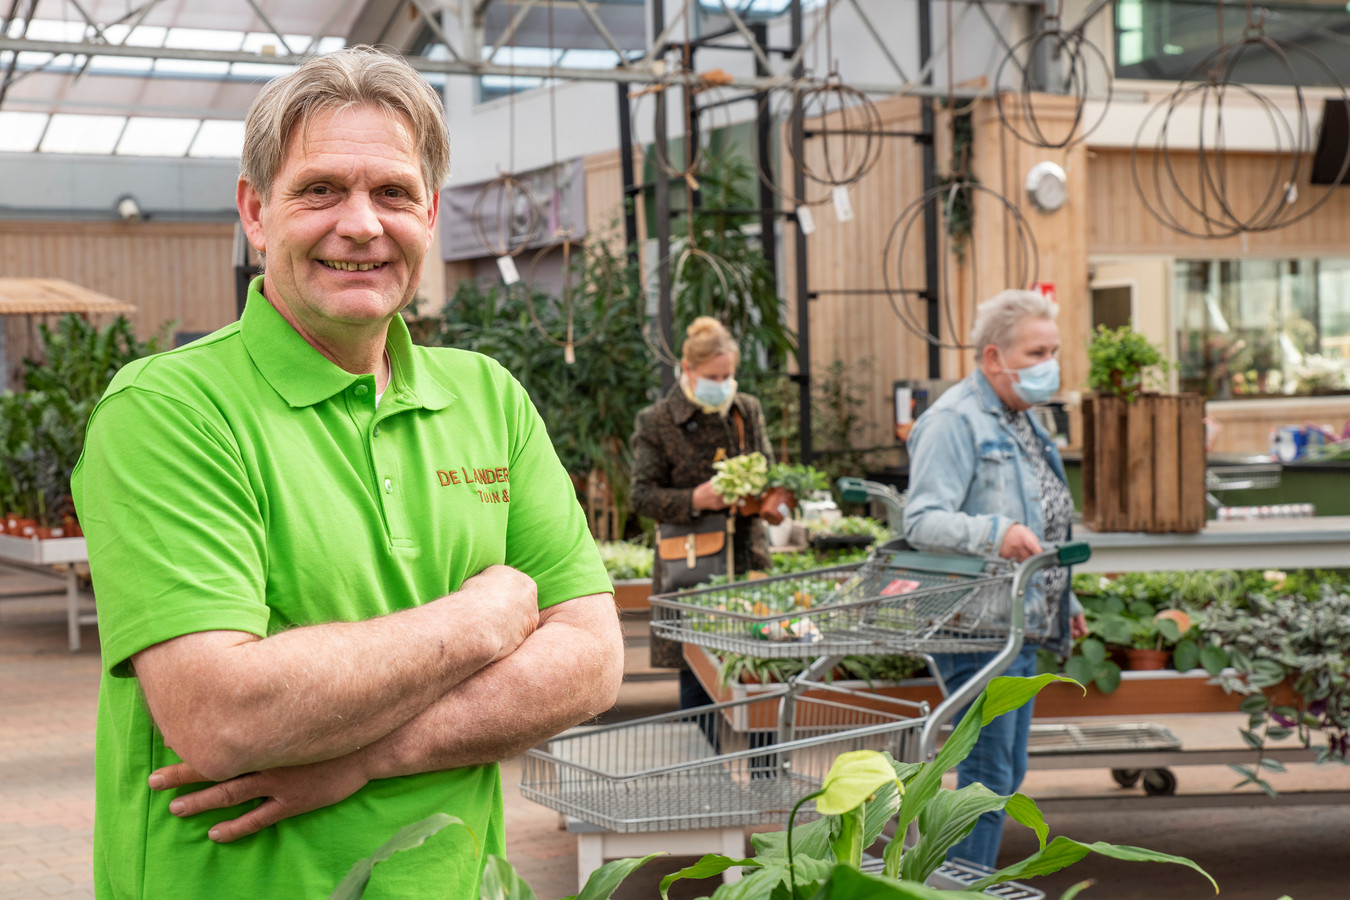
x=853, y=489
x=1073, y=554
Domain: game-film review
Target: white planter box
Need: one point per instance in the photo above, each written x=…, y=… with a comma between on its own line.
x=43, y=552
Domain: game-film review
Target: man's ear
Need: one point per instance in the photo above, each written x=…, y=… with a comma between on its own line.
x=431, y=216
x=250, y=204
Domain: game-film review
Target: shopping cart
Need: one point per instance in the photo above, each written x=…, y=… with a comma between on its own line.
x=748, y=761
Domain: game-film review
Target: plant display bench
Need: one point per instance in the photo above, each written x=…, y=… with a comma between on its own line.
x=56, y=557
x=596, y=844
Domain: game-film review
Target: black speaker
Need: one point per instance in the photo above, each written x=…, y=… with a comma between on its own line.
x=1333, y=143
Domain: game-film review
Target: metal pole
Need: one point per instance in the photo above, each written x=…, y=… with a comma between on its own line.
x=768, y=235
x=803, y=291
x=664, y=318
x=630, y=188
x=931, y=267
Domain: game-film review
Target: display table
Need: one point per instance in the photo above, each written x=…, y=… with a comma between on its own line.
x=1319, y=542
x=44, y=556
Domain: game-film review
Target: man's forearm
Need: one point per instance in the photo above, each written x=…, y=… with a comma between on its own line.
x=230, y=703
x=566, y=672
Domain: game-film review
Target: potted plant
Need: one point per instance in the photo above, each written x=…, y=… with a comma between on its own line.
x=740, y=481
x=1143, y=453
x=786, y=485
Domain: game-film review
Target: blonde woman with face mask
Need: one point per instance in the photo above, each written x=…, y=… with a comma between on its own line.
x=675, y=443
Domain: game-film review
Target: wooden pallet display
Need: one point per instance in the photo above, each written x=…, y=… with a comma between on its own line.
x=1144, y=463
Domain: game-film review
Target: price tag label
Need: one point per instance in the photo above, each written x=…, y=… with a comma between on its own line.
x=805, y=220
x=507, y=266
x=843, y=209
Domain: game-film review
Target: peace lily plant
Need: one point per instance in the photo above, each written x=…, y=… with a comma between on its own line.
x=822, y=860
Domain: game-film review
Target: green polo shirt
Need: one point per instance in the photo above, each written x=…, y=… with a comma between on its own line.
x=243, y=482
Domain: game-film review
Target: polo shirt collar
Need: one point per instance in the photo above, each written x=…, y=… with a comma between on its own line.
x=304, y=377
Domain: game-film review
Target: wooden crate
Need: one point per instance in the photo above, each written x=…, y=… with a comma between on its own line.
x=1144, y=463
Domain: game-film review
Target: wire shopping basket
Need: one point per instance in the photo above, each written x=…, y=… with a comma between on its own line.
x=895, y=602
x=743, y=762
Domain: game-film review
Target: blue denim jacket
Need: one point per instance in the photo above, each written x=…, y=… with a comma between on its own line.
x=970, y=480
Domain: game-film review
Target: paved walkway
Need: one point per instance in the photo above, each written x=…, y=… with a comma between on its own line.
x=47, y=705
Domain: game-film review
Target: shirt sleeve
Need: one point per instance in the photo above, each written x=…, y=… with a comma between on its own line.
x=172, y=524
x=547, y=535
x=942, y=467
x=653, y=495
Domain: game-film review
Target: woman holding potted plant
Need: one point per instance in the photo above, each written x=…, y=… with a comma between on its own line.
x=701, y=421
x=986, y=480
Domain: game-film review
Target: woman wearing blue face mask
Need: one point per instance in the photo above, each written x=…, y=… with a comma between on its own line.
x=675, y=443
x=986, y=480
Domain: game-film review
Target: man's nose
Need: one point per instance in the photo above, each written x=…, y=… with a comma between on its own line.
x=359, y=219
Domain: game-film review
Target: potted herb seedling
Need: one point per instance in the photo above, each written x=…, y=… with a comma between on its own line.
x=740, y=480
x=787, y=484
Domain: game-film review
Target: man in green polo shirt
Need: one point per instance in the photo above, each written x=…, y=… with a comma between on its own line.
x=339, y=576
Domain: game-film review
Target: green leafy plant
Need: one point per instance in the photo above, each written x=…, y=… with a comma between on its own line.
x=798, y=480
x=740, y=476
x=626, y=560
x=849, y=526
x=734, y=668
x=42, y=428
x=1121, y=361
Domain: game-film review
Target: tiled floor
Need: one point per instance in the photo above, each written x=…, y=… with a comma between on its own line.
x=47, y=704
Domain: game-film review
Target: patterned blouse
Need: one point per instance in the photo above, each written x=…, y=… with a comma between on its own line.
x=1056, y=502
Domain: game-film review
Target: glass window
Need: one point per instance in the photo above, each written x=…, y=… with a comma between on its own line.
x=82, y=134
x=152, y=136
x=1263, y=327
x=1164, y=39
x=21, y=131
x=218, y=138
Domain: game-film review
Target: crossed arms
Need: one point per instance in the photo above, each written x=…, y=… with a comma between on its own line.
x=307, y=717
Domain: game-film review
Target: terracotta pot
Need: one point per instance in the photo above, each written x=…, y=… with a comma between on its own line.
x=71, y=526
x=24, y=527
x=45, y=533
x=11, y=523
x=748, y=506
x=776, y=504
x=1140, y=660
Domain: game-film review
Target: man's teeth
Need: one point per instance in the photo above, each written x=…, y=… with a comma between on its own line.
x=350, y=266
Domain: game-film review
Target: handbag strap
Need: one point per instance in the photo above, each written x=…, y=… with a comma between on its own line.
x=740, y=427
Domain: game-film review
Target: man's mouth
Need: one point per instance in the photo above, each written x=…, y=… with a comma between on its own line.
x=350, y=266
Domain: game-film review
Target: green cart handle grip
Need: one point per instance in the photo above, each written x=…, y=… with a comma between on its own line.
x=852, y=489
x=1073, y=554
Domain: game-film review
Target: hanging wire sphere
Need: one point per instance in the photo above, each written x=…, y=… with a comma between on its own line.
x=506, y=216
x=1205, y=203
x=1022, y=263
x=1075, y=62
x=684, y=265
x=851, y=126
x=692, y=113
x=573, y=264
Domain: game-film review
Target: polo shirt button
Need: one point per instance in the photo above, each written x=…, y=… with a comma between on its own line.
x=377, y=431
x=388, y=486
x=361, y=390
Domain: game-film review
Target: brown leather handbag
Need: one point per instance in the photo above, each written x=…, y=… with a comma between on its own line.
x=691, y=555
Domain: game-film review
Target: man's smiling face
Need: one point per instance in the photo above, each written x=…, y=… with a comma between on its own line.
x=347, y=225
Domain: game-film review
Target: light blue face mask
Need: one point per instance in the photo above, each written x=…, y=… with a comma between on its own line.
x=714, y=393
x=1038, y=383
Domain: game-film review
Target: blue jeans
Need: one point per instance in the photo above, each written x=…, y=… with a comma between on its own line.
x=999, y=758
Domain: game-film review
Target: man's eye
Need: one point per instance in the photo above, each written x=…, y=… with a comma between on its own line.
x=393, y=193
x=319, y=189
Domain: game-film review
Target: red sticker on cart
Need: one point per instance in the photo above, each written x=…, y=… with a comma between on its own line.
x=899, y=586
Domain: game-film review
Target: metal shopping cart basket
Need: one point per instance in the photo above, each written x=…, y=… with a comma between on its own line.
x=743, y=762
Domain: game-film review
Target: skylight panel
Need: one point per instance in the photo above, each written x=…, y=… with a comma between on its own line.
x=260, y=70
x=21, y=131
x=55, y=30
x=154, y=136
x=121, y=64
x=331, y=42
x=69, y=133
x=523, y=56
x=192, y=66
x=147, y=36
x=203, y=39
x=263, y=44
x=589, y=59
x=220, y=138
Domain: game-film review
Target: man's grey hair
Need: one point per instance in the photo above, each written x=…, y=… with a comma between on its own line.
x=355, y=76
x=997, y=318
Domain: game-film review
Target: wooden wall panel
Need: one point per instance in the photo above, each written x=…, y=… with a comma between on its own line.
x=1118, y=222
x=172, y=271
x=848, y=256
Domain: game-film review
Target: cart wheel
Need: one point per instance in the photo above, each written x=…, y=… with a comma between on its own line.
x=1126, y=777
x=1160, y=782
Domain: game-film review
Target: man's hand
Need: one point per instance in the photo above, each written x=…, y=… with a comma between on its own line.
x=1019, y=543
x=508, y=599
x=707, y=498
x=285, y=792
